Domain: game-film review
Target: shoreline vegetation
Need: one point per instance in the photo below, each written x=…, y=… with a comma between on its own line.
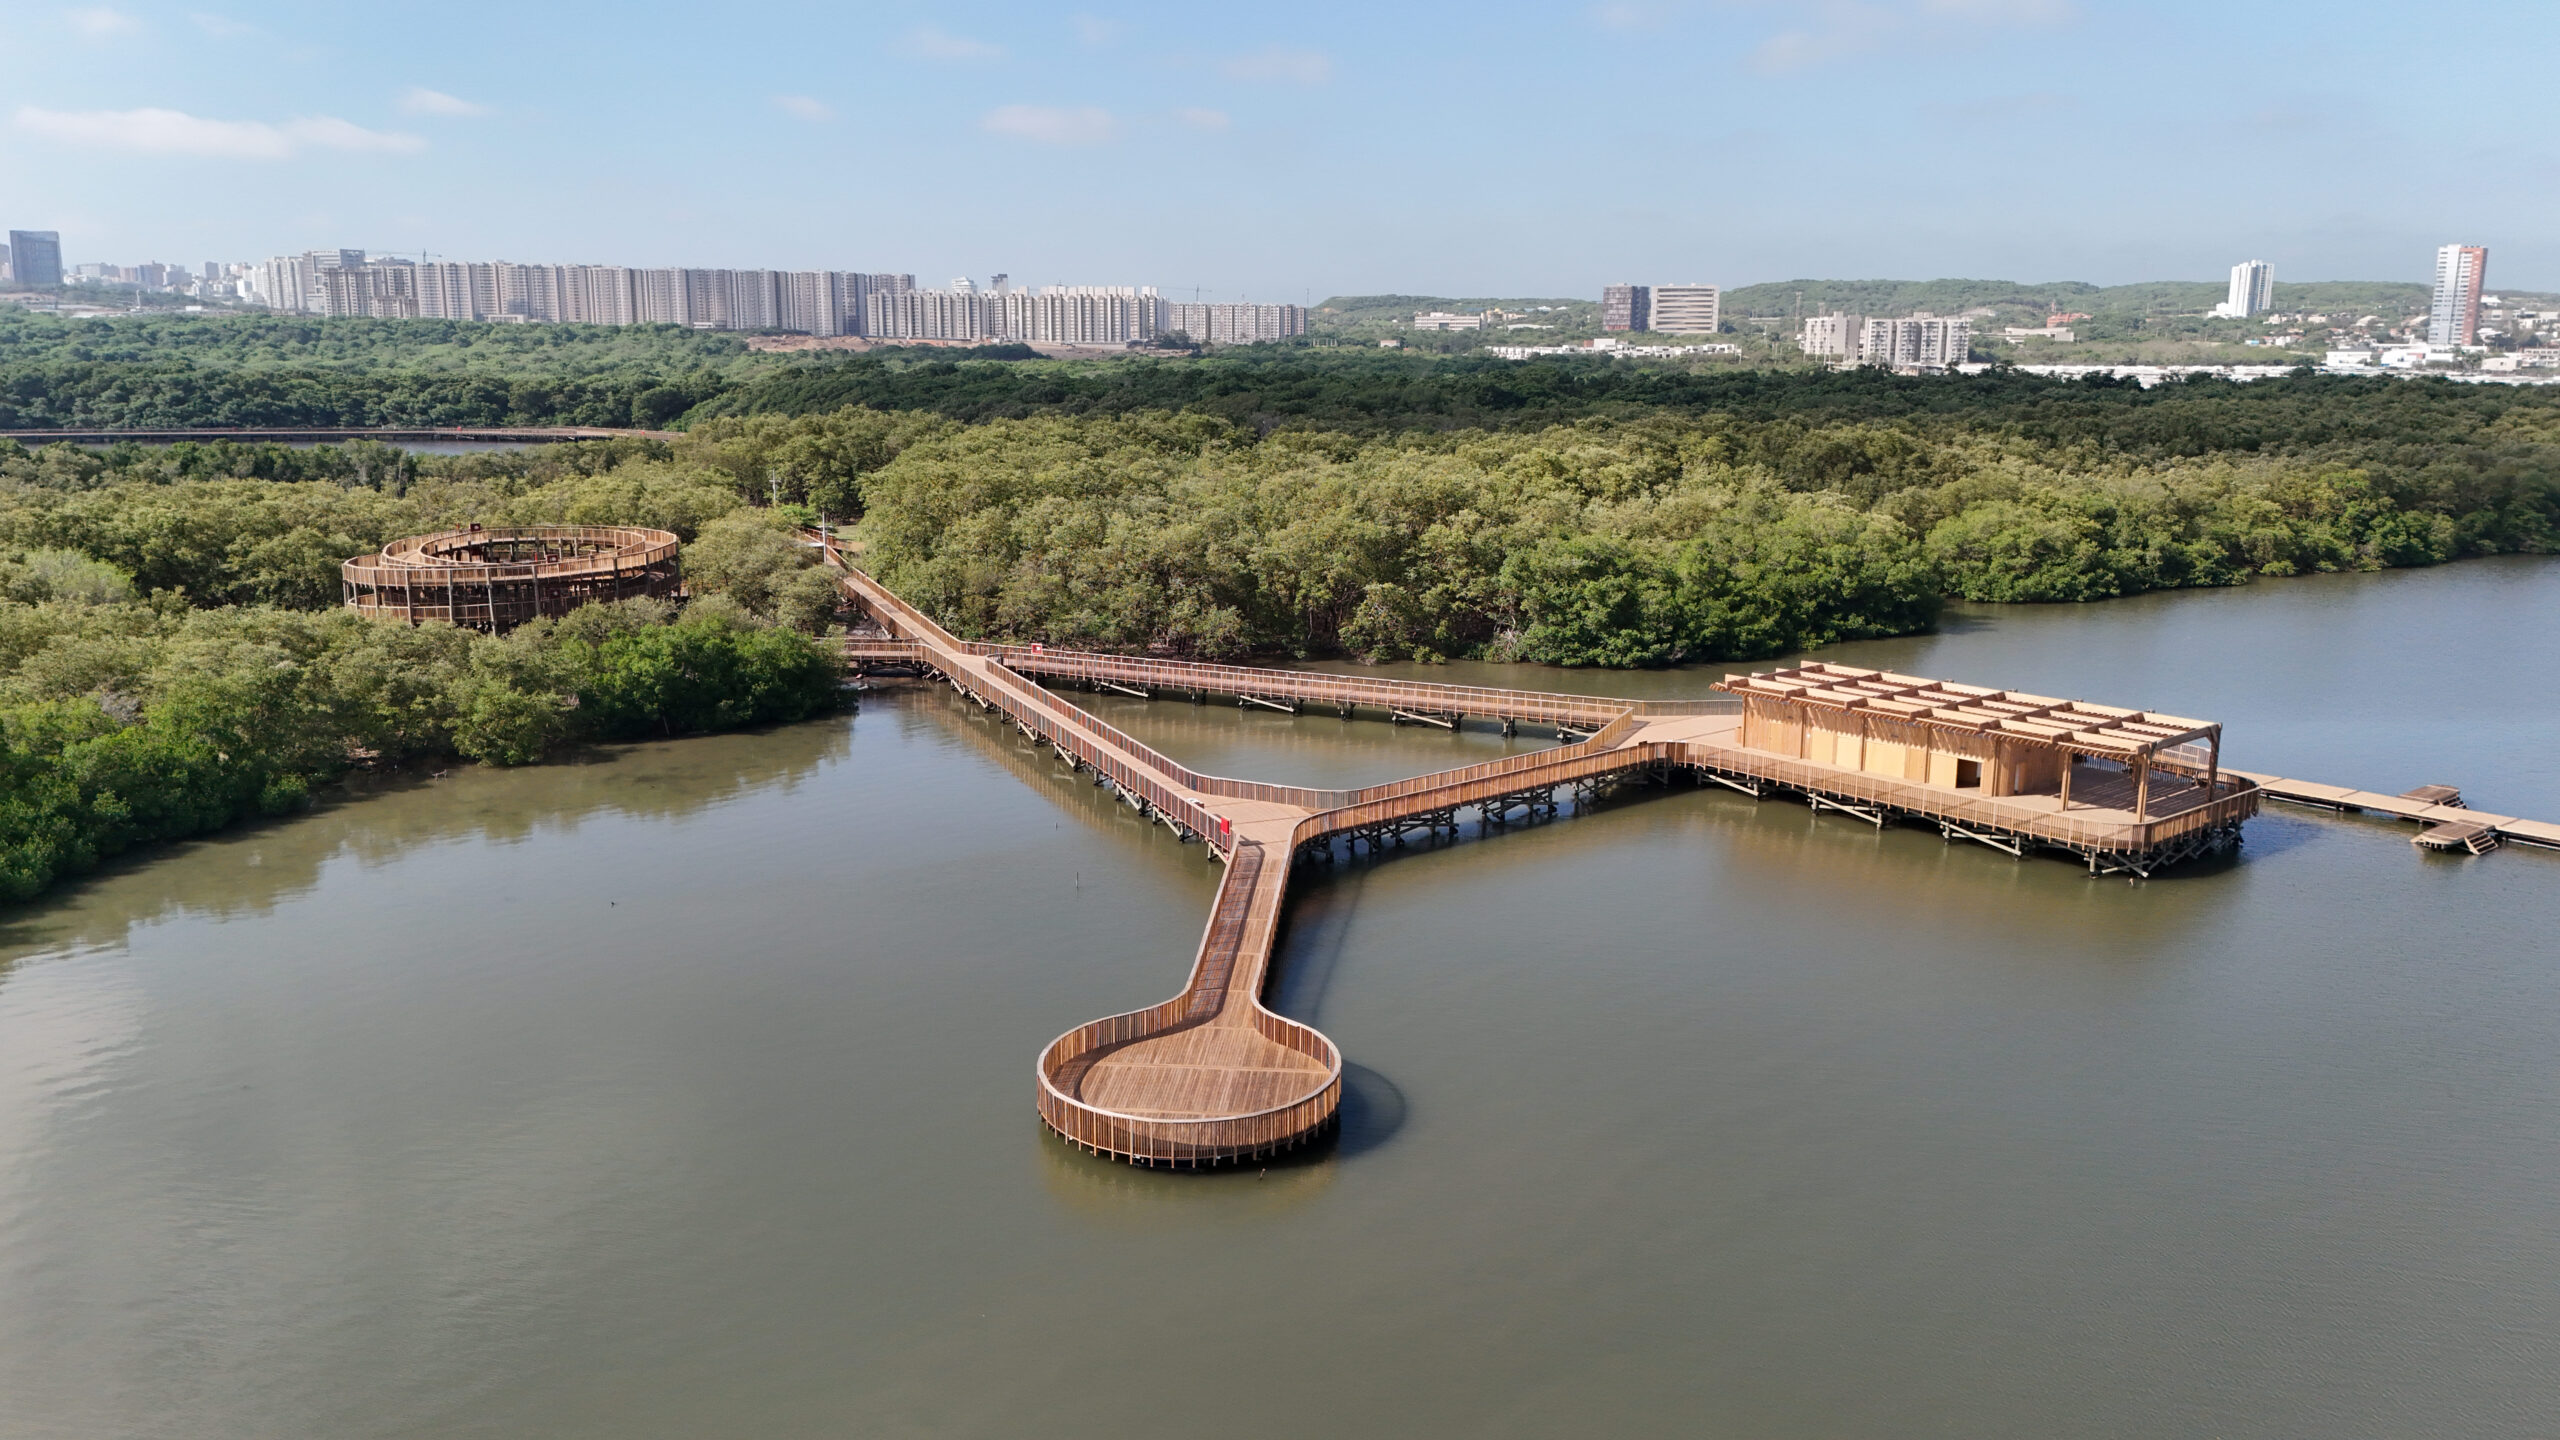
x=173, y=655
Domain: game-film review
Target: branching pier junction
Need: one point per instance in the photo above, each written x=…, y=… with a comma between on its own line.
x=1212, y=1076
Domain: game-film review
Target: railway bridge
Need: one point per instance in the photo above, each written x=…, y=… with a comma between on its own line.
x=1214, y=1076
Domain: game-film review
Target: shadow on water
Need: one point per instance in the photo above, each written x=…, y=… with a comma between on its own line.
x=1374, y=1108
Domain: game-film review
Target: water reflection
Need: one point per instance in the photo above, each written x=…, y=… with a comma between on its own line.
x=1685, y=1113
x=1133, y=1199
x=248, y=870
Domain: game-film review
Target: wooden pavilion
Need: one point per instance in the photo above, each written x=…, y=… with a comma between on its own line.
x=1966, y=738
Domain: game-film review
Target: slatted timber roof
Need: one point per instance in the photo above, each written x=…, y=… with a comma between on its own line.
x=2074, y=724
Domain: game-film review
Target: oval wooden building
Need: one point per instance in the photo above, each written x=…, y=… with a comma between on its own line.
x=497, y=579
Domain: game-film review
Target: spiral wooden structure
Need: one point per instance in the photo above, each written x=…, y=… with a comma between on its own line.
x=497, y=579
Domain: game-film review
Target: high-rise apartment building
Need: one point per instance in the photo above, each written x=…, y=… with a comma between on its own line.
x=2253, y=290
x=35, y=257
x=811, y=302
x=1075, y=314
x=657, y=297
x=2454, y=316
x=1685, y=310
x=1626, y=307
x=1925, y=342
x=1241, y=324
x=388, y=289
x=294, y=282
x=1832, y=337
x=926, y=315
x=597, y=295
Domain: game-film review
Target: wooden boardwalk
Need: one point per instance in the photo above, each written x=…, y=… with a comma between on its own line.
x=1212, y=1075
x=2444, y=825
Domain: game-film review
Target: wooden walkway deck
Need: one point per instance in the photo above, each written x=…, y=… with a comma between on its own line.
x=1212, y=1075
x=2426, y=805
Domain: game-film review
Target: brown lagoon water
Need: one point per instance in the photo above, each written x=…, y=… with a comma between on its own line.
x=688, y=1093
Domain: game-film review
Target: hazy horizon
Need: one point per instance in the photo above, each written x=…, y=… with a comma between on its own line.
x=1300, y=153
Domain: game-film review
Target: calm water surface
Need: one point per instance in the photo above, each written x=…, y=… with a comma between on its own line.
x=688, y=1092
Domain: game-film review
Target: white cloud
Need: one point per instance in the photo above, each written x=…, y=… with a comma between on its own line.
x=174, y=132
x=419, y=100
x=1095, y=31
x=929, y=43
x=1634, y=14
x=1052, y=124
x=1829, y=29
x=1280, y=63
x=1202, y=119
x=801, y=107
x=1844, y=27
x=220, y=26
x=97, y=22
x=2011, y=12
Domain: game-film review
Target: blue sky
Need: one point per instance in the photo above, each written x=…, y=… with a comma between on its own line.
x=1284, y=152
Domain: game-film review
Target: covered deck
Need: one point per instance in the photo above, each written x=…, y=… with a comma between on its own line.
x=2003, y=744
x=2002, y=766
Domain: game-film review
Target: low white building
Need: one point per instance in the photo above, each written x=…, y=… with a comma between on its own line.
x=2411, y=357
x=1609, y=349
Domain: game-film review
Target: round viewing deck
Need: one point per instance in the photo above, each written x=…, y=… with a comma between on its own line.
x=497, y=579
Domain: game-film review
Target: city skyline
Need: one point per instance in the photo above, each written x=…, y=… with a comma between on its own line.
x=1283, y=155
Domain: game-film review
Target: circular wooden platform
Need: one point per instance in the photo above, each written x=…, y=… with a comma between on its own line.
x=497, y=579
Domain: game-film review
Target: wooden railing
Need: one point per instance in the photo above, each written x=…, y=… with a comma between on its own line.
x=1308, y=686
x=605, y=550
x=1063, y=726
x=2237, y=800
x=1476, y=783
x=1234, y=949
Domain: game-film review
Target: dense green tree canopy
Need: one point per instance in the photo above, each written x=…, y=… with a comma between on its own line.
x=171, y=654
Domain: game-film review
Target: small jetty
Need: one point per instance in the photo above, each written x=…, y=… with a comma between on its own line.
x=2445, y=823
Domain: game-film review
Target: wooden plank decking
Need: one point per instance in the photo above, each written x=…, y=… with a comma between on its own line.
x=2426, y=808
x=1211, y=1075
